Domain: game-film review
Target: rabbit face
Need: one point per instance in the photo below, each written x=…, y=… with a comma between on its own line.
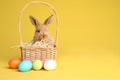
x=41, y=31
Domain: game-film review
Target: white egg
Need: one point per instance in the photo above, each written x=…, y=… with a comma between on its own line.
x=50, y=65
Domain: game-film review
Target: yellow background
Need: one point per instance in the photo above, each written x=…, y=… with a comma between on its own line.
x=89, y=39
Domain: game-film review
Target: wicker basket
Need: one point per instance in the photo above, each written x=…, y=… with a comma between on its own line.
x=38, y=52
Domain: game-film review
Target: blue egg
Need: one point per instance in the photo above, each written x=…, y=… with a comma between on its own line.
x=25, y=66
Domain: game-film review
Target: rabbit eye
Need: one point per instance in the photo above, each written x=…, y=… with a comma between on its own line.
x=38, y=31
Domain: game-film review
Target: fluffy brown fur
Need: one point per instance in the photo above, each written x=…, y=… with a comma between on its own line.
x=41, y=30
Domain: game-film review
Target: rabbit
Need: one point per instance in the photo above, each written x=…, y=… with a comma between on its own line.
x=41, y=30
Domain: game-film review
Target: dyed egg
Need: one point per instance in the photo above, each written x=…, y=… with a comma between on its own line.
x=44, y=60
x=28, y=59
x=25, y=66
x=50, y=65
x=37, y=64
x=13, y=63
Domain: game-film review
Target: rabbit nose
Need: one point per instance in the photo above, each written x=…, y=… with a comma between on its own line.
x=45, y=35
x=41, y=37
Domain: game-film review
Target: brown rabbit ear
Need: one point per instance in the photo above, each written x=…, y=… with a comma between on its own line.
x=34, y=21
x=48, y=20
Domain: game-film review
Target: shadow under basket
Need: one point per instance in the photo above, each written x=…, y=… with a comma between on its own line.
x=38, y=53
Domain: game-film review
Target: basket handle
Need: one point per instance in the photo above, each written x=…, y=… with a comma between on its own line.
x=38, y=2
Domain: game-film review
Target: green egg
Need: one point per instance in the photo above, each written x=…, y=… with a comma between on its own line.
x=37, y=64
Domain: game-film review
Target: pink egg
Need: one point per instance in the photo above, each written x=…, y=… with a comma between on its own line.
x=28, y=59
x=44, y=60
